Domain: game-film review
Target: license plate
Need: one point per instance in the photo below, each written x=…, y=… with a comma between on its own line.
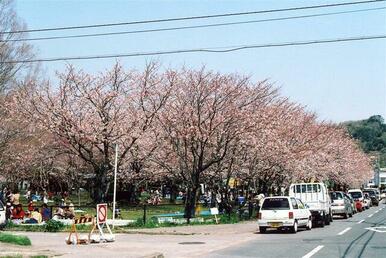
x=275, y=224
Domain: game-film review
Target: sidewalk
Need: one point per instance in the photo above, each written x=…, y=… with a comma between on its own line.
x=182, y=241
x=221, y=229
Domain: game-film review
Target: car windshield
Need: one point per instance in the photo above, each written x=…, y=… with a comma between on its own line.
x=371, y=193
x=275, y=204
x=336, y=196
x=356, y=195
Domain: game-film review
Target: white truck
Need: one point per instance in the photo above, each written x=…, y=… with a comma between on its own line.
x=316, y=197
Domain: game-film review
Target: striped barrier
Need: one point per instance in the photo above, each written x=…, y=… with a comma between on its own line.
x=73, y=237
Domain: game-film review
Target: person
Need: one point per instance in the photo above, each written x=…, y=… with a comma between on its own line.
x=8, y=211
x=2, y=195
x=9, y=197
x=46, y=212
x=31, y=206
x=35, y=217
x=250, y=206
x=45, y=199
x=117, y=213
x=28, y=194
x=68, y=214
x=18, y=212
x=16, y=198
x=71, y=207
x=59, y=213
x=259, y=201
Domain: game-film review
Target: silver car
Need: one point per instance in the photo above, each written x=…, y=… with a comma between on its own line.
x=341, y=205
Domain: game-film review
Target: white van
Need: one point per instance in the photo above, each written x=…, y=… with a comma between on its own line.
x=3, y=220
x=358, y=197
x=283, y=212
x=317, y=198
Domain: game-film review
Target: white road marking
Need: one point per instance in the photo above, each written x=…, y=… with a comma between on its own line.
x=344, y=231
x=376, y=211
x=359, y=222
x=380, y=229
x=314, y=251
x=370, y=215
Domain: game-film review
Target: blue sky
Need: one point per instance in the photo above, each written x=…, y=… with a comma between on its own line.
x=343, y=81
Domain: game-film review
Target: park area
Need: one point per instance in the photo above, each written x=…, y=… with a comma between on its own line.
x=141, y=215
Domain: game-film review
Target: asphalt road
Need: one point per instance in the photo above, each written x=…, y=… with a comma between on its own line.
x=363, y=235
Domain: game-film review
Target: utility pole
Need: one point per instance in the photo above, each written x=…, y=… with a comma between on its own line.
x=115, y=182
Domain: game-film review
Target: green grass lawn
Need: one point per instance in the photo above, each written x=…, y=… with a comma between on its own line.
x=13, y=239
x=127, y=212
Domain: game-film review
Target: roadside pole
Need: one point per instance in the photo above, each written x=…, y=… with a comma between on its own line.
x=115, y=181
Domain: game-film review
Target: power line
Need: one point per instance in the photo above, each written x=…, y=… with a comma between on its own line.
x=194, y=17
x=194, y=26
x=208, y=50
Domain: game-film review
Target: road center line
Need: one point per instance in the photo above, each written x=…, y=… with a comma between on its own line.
x=370, y=215
x=359, y=222
x=313, y=251
x=344, y=231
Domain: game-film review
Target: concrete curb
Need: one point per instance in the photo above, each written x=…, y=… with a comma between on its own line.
x=155, y=255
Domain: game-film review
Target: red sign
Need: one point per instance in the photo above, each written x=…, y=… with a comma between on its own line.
x=102, y=213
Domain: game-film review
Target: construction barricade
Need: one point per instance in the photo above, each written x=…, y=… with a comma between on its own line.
x=100, y=231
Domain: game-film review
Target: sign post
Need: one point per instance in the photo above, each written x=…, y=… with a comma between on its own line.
x=101, y=223
x=214, y=211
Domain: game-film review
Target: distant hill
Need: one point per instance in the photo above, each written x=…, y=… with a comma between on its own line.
x=371, y=134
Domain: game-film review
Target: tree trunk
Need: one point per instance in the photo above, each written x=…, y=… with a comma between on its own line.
x=173, y=193
x=100, y=185
x=190, y=203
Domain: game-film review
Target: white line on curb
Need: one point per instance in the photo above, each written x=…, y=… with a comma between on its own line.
x=370, y=215
x=314, y=251
x=344, y=231
x=359, y=222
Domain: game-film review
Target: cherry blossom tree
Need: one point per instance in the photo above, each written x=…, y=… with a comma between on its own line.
x=89, y=114
x=205, y=115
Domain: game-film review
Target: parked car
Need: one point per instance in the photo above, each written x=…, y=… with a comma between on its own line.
x=373, y=196
x=367, y=200
x=316, y=196
x=341, y=205
x=283, y=212
x=354, y=208
x=3, y=219
x=357, y=195
x=377, y=193
x=383, y=194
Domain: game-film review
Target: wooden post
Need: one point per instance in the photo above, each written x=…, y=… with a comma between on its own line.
x=144, y=214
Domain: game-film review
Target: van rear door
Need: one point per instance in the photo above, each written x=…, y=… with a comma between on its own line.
x=275, y=208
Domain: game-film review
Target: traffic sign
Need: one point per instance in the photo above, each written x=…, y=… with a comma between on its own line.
x=102, y=213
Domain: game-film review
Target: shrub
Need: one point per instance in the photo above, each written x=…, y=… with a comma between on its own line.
x=53, y=226
x=13, y=239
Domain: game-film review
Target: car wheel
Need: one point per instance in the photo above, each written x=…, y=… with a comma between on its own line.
x=331, y=217
x=345, y=216
x=294, y=228
x=309, y=224
x=328, y=220
x=262, y=230
x=322, y=223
